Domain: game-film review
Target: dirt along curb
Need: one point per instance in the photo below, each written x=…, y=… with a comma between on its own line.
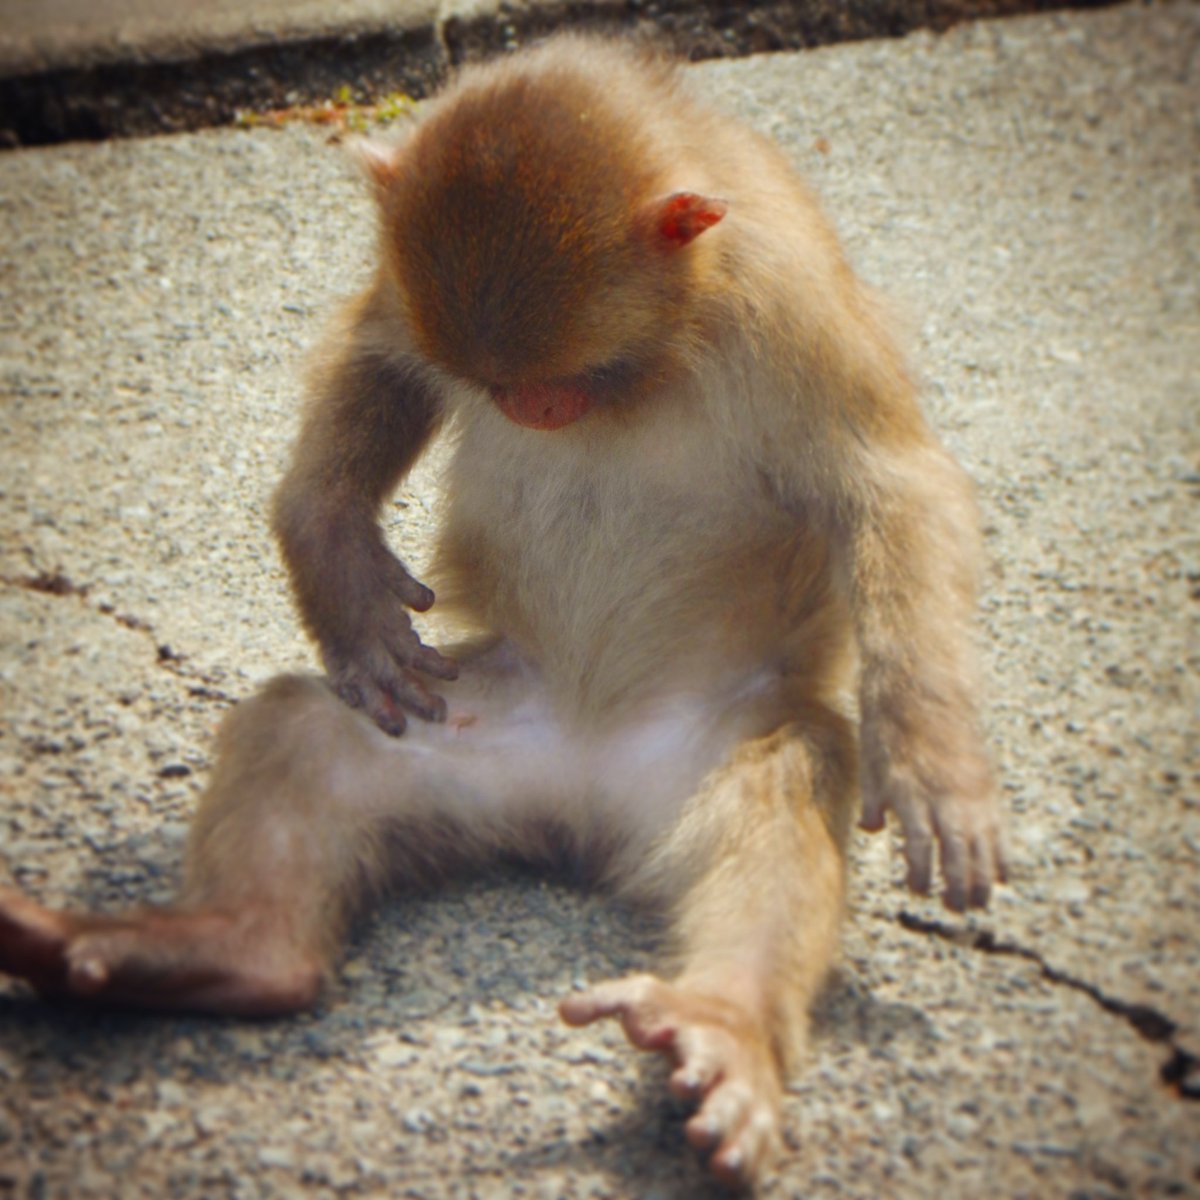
x=89, y=83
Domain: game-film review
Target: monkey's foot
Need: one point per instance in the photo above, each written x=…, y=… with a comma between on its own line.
x=196, y=961
x=722, y=1060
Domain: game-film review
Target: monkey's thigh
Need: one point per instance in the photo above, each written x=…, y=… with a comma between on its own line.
x=308, y=795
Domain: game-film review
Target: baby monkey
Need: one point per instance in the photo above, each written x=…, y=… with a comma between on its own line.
x=692, y=502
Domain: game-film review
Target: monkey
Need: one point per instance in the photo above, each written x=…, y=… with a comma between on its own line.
x=712, y=571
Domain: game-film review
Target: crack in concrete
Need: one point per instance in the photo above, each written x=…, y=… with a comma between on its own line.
x=56, y=583
x=1180, y=1072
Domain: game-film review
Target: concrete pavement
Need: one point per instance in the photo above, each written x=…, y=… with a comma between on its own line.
x=89, y=69
x=1025, y=191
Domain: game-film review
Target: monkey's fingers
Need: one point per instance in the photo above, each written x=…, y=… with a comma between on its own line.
x=971, y=866
x=916, y=824
x=957, y=877
x=874, y=812
x=359, y=691
x=918, y=852
x=407, y=689
x=972, y=853
x=434, y=662
x=388, y=689
x=394, y=645
x=741, y=1128
x=401, y=584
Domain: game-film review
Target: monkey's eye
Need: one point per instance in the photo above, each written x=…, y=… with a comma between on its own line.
x=613, y=375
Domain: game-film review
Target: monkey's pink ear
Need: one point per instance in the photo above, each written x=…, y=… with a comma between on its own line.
x=683, y=216
x=380, y=160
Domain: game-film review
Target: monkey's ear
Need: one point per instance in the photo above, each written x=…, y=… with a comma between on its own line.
x=379, y=160
x=683, y=216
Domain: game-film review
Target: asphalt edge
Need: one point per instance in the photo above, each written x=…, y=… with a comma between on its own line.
x=148, y=91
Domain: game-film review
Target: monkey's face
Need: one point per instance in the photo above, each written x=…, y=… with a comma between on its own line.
x=516, y=230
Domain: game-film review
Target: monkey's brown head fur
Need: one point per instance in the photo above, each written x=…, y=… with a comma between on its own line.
x=529, y=222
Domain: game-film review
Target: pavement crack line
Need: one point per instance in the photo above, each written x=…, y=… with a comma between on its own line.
x=56, y=583
x=1181, y=1070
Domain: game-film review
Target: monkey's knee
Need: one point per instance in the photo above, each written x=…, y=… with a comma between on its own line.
x=284, y=739
x=829, y=742
x=286, y=706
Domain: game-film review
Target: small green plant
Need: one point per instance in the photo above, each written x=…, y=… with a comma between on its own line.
x=341, y=112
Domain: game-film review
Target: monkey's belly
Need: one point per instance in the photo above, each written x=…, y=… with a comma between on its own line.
x=507, y=752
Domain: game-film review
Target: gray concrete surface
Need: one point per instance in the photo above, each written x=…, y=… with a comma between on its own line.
x=1026, y=191
x=48, y=34
x=92, y=69
x=40, y=35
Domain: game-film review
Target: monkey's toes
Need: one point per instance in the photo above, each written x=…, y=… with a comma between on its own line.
x=738, y=1125
x=722, y=1060
x=197, y=961
x=727, y=1065
x=33, y=940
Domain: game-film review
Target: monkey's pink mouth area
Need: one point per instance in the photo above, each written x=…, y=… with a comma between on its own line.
x=542, y=405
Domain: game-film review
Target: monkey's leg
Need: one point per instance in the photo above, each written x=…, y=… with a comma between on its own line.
x=305, y=813
x=274, y=861
x=167, y=959
x=756, y=865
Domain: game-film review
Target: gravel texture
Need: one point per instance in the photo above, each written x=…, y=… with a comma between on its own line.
x=1027, y=192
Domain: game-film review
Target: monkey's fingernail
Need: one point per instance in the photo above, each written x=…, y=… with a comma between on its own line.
x=919, y=880
x=956, y=895
x=351, y=694
x=701, y=1134
x=733, y=1162
x=437, y=665
x=391, y=722
x=431, y=708
x=88, y=975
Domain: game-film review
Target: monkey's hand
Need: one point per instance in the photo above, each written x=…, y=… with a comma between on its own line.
x=722, y=1061
x=932, y=772
x=373, y=656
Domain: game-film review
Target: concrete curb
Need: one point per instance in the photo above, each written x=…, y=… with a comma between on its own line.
x=123, y=70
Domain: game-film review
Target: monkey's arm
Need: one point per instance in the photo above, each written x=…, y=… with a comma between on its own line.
x=369, y=416
x=910, y=551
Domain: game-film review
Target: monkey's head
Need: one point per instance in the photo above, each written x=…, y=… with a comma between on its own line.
x=536, y=236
